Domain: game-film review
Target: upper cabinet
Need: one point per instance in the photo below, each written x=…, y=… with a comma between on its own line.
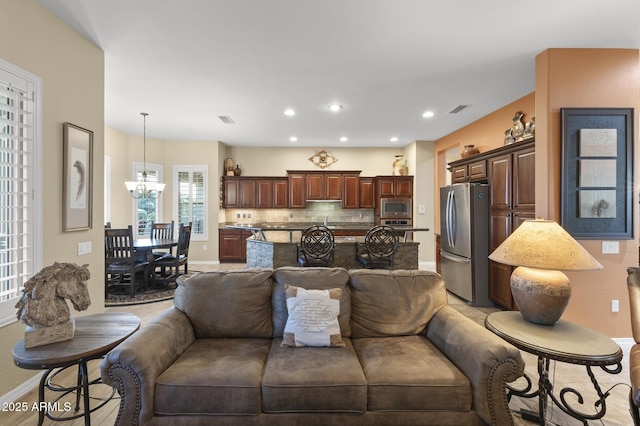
x=298, y=187
x=394, y=186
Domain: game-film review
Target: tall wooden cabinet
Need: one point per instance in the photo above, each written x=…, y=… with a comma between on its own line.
x=511, y=178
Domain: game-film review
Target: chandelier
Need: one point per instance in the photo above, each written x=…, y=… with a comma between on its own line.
x=143, y=188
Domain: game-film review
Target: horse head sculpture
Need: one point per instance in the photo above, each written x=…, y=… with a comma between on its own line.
x=43, y=300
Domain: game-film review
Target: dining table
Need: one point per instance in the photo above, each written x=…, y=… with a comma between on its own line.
x=144, y=247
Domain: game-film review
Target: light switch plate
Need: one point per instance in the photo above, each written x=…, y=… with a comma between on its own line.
x=610, y=247
x=84, y=248
x=422, y=210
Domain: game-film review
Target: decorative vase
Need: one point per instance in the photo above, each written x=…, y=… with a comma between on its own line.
x=237, y=171
x=400, y=167
x=469, y=150
x=228, y=166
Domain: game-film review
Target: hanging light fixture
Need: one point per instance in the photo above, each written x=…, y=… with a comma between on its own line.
x=143, y=188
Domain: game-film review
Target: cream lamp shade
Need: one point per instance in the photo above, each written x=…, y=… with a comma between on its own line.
x=540, y=249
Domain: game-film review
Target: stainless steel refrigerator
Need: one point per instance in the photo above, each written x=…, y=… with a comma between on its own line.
x=464, y=241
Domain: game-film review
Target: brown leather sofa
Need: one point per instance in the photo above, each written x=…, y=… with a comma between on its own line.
x=216, y=356
x=633, y=285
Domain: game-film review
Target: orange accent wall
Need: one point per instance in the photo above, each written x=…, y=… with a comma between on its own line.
x=594, y=78
x=587, y=78
x=486, y=133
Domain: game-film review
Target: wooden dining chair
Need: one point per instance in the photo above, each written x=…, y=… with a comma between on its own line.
x=162, y=231
x=170, y=264
x=120, y=263
x=379, y=247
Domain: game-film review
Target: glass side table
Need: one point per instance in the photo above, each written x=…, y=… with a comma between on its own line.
x=565, y=342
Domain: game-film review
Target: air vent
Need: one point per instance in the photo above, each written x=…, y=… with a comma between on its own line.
x=226, y=119
x=458, y=109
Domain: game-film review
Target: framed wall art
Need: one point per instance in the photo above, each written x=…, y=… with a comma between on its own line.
x=78, y=178
x=597, y=172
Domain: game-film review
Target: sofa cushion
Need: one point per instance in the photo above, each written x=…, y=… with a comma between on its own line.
x=214, y=376
x=313, y=317
x=310, y=279
x=228, y=303
x=394, y=303
x=311, y=380
x=408, y=373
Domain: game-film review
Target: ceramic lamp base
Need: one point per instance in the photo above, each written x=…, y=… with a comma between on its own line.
x=540, y=294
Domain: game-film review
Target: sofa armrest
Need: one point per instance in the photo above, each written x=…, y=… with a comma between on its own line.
x=488, y=361
x=134, y=365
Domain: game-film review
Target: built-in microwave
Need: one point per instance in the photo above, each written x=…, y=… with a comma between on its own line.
x=391, y=208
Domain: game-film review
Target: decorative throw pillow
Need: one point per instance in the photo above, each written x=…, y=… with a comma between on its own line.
x=313, y=317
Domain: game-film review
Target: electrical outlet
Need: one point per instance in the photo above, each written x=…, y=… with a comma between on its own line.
x=610, y=247
x=290, y=215
x=615, y=305
x=237, y=215
x=204, y=247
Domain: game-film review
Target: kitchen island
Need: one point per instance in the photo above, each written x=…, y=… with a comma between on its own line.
x=273, y=245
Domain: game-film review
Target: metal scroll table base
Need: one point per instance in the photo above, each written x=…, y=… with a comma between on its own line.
x=545, y=391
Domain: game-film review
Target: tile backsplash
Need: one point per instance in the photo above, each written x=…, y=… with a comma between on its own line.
x=315, y=212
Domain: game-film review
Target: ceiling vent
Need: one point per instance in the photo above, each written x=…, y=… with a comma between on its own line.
x=226, y=119
x=458, y=109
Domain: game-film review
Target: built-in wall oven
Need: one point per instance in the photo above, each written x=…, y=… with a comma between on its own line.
x=395, y=208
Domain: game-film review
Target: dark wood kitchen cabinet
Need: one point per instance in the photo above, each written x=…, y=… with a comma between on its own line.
x=232, y=245
x=367, y=193
x=511, y=178
x=272, y=193
x=394, y=186
x=351, y=191
x=324, y=186
x=297, y=190
x=238, y=192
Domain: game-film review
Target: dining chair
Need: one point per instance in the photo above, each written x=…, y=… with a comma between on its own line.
x=172, y=263
x=316, y=246
x=162, y=231
x=379, y=247
x=120, y=260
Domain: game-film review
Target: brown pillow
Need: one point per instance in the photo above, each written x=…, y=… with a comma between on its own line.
x=313, y=317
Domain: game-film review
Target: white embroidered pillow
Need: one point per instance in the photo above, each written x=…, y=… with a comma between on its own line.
x=313, y=317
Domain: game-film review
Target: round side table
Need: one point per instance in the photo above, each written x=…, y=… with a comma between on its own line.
x=95, y=335
x=565, y=342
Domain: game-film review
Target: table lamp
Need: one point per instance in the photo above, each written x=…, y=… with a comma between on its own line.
x=540, y=248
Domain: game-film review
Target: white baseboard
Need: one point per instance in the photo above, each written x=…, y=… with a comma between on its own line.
x=15, y=394
x=204, y=262
x=625, y=344
x=427, y=266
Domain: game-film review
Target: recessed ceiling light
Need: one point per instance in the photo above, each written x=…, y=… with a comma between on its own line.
x=289, y=112
x=428, y=114
x=293, y=139
x=335, y=107
x=394, y=139
x=344, y=139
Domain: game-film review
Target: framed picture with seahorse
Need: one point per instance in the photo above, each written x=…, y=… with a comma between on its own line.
x=78, y=178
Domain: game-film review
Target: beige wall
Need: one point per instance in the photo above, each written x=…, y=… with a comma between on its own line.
x=254, y=161
x=587, y=78
x=72, y=71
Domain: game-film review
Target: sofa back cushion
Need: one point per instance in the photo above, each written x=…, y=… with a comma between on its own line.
x=394, y=303
x=310, y=279
x=228, y=303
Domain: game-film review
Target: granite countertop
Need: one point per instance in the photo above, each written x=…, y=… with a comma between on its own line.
x=301, y=226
